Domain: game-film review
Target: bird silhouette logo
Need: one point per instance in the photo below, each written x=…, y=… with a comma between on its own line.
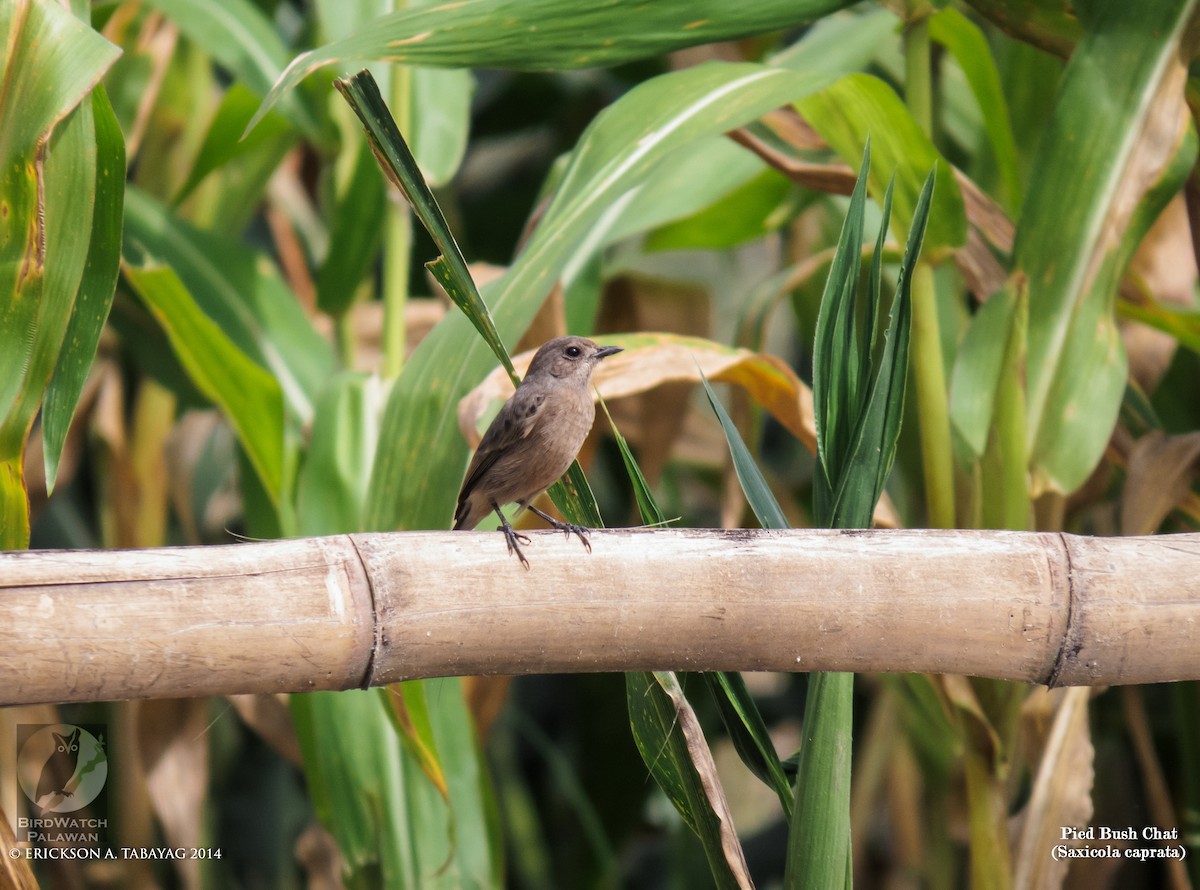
x=61, y=767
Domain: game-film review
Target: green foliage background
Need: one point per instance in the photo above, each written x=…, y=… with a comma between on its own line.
x=214, y=319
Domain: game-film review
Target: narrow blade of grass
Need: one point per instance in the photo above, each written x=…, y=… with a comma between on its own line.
x=648, y=507
x=754, y=485
x=749, y=734
x=398, y=163
x=832, y=335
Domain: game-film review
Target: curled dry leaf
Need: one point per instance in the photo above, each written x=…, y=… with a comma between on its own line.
x=650, y=360
x=1062, y=788
x=1159, y=476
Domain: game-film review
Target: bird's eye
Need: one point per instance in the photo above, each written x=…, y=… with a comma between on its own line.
x=574, y=351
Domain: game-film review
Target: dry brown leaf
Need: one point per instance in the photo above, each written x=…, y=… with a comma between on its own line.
x=706, y=769
x=1165, y=264
x=486, y=698
x=15, y=873
x=654, y=421
x=1062, y=788
x=173, y=744
x=319, y=856
x=1159, y=475
x=1158, y=795
x=268, y=715
x=184, y=450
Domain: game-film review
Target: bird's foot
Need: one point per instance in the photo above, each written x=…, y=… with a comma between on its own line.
x=569, y=528
x=512, y=537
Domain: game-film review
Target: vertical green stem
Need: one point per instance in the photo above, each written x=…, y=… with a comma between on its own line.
x=819, y=841
x=343, y=328
x=1005, y=489
x=932, y=401
x=397, y=243
x=932, y=397
x=918, y=82
x=991, y=866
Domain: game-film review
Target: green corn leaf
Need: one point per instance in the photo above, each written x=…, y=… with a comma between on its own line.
x=858, y=426
x=355, y=235
x=887, y=393
x=871, y=316
x=48, y=168
x=548, y=35
x=248, y=395
x=573, y=496
x=393, y=826
x=240, y=37
x=241, y=291
x=738, y=710
x=96, y=287
x=857, y=480
x=48, y=159
x=14, y=505
x=969, y=46
x=438, y=105
x=858, y=107
x=381, y=790
x=1181, y=324
x=331, y=486
x=221, y=143
x=1123, y=86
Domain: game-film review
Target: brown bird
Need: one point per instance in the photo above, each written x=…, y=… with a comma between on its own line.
x=533, y=439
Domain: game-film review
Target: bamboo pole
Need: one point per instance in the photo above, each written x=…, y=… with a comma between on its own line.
x=363, y=610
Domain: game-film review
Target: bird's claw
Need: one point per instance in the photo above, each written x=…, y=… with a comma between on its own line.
x=580, y=531
x=511, y=537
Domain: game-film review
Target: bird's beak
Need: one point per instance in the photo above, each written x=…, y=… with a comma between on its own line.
x=606, y=351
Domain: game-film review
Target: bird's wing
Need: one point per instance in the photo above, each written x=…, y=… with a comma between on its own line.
x=510, y=427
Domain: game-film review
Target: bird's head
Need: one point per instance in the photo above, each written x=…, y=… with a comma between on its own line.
x=569, y=357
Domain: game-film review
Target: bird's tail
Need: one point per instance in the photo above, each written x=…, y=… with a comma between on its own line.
x=462, y=516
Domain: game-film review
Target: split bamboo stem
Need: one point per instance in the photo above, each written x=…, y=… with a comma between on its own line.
x=369, y=609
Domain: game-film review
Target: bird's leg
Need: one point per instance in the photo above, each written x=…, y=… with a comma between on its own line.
x=568, y=528
x=512, y=536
